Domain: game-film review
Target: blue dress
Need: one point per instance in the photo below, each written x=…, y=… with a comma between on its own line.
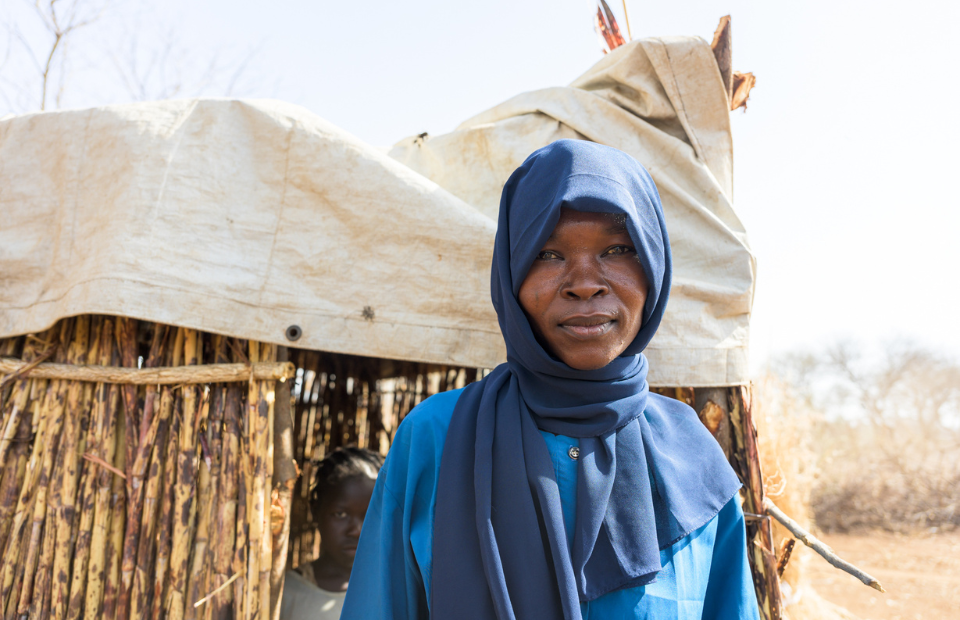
x=705, y=575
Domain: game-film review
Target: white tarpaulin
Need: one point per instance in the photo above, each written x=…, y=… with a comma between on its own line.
x=246, y=217
x=662, y=101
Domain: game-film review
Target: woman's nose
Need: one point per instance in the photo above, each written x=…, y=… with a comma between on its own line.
x=354, y=528
x=584, y=280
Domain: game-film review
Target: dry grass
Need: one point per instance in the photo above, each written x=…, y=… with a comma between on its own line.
x=902, y=476
x=859, y=442
x=921, y=574
x=787, y=454
x=885, y=430
x=787, y=429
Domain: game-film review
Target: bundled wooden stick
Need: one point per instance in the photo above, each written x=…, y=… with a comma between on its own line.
x=210, y=373
x=136, y=473
x=67, y=481
x=814, y=543
x=185, y=486
x=98, y=436
x=137, y=469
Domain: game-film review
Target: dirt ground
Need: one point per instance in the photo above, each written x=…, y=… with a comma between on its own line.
x=921, y=574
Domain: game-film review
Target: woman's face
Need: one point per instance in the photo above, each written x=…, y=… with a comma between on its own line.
x=585, y=293
x=340, y=519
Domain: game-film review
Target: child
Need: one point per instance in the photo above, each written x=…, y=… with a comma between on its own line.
x=343, y=485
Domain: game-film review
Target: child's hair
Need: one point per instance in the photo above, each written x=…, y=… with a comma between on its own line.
x=341, y=464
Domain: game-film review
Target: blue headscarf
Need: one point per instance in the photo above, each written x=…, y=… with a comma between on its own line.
x=649, y=472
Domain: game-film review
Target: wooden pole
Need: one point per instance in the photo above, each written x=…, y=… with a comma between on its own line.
x=117, y=520
x=814, y=543
x=200, y=565
x=183, y=375
x=108, y=396
x=266, y=400
x=185, y=486
x=68, y=479
x=712, y=407
x=230, y=507
x=149, y=427
x=102, y=337
x=141, y=593
x=284, y=479
x=626, y=18
x=746, y=462
x=722, y=47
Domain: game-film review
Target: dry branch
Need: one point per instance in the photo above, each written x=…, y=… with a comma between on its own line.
x=68, y=478
x=723, y=51
x=96, y=460
x=217, y=591
x=825, y=551
x=786, y=550
x=743, y=83
x=27, y=367
x=209, y=373
x=284, y=479
x=150, y=509
x=746, y=462
x=108, y=397
x=184, y=487
x=167, y=508
x=148, y=429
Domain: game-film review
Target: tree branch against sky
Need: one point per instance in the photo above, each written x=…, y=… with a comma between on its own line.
x=62, y=18
x=157, y=63
x=884, y=424
x=61, y=53
x=879, y=384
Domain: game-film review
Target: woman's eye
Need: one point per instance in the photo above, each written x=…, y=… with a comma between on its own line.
x=340, y=514
x=621, y=249
x=547, y=255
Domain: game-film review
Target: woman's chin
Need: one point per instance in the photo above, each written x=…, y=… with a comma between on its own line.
x=588, y=361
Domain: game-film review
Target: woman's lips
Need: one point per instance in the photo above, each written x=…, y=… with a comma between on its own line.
x=587, y=326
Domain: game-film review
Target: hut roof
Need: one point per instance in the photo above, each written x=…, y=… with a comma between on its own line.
x=246, y=217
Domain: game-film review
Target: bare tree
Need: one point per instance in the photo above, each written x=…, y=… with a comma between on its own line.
x=61, y=20
x=160, y=65
x=148, y=61
x=48, y=56
x=904, y=381
x=888, y=443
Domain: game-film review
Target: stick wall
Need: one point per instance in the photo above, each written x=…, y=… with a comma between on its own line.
x=130, y=501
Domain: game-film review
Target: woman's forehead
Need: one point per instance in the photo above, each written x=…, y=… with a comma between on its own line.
x=615, y=222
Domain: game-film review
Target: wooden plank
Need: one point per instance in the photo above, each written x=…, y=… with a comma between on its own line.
x=171, y=375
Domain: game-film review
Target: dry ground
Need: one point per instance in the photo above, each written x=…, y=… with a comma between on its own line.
x=921, y=574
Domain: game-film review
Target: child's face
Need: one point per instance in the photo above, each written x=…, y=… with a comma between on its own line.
x=340, y=518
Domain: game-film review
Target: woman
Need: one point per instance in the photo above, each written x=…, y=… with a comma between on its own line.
x=559, y=486
x=343, y=485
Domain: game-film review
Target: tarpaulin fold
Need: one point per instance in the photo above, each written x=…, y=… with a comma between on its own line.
x=244, y=217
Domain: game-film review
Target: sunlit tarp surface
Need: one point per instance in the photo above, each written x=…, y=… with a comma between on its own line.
x=662, y=101
x=247, y=217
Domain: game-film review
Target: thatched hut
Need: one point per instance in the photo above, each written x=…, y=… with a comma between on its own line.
x=201, y=297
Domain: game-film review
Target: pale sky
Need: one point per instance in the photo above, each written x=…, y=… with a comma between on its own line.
x=845, y=162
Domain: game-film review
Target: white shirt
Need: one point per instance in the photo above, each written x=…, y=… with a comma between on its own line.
x=303, y=600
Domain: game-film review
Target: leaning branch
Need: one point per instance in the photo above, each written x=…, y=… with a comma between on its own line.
x=174, y=375
x=811, y=541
